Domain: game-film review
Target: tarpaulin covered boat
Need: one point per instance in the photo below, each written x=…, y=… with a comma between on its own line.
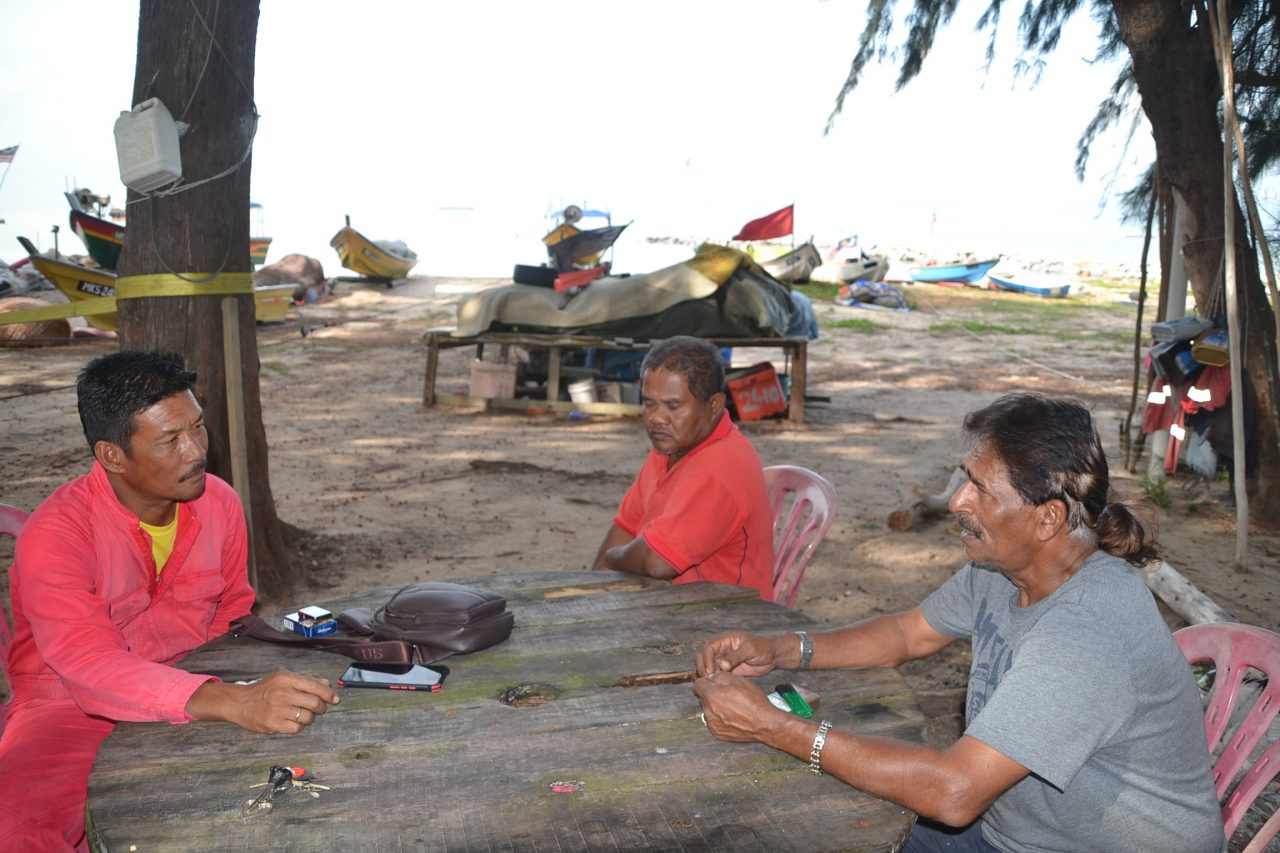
x=720, y=292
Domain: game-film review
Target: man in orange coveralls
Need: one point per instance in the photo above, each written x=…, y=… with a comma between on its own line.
x=116, y=576
x=698, y=510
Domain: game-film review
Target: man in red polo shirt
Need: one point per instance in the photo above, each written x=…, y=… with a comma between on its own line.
x=698, y=509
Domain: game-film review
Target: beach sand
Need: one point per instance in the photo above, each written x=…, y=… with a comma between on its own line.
x=396, y=493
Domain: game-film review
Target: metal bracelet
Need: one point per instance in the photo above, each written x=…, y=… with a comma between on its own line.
x=819, y=741
x=806, y=649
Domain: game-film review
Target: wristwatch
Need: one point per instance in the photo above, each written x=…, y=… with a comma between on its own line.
x=806, y=649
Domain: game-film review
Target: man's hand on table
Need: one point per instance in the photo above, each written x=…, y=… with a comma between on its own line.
x=746, y=654
x=281, y=703
x=736, y=710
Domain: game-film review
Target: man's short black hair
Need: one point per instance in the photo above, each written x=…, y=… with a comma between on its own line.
x=698, y=360
x=114, y=388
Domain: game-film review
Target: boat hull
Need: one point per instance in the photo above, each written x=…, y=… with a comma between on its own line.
x=361, y=255
x=104, y=240
x=1020, y=283
x=966, y=273
x=865, y=268
x=795, y=266
x=271, y=302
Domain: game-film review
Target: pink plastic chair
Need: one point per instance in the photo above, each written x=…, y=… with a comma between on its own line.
x=798, y=526
x=1234, y=649
x=11, y=521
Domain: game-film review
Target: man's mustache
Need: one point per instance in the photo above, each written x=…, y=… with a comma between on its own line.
x=967, y=525
x=197, y=471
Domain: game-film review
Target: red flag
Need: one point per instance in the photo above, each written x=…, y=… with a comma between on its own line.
x=776, y=224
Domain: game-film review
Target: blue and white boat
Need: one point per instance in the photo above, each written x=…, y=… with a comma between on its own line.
x=964, y=272
x=1026, y=282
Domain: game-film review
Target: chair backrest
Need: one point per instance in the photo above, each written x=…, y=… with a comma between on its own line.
x=798, y=524
x=1234, y=649
x=11, y=521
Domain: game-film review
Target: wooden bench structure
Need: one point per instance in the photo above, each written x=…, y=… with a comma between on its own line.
x=795, y=351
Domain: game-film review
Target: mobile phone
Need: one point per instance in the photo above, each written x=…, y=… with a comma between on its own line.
x=394, y=676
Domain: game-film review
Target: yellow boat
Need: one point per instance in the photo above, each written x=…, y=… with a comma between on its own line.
x=86, y=284
x=373, y=260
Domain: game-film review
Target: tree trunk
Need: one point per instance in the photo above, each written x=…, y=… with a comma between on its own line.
x=205, y=230
x=1174, y=66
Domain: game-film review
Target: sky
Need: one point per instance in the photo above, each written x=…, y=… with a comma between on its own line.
x=459, y=128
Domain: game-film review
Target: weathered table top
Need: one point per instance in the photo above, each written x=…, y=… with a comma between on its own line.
x=462, y=770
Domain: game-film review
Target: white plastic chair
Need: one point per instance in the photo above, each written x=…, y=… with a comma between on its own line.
x=798, y=524
x=11, y=521
x=1234, y=649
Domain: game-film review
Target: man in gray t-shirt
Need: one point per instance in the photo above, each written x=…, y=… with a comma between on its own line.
x=1084, y=730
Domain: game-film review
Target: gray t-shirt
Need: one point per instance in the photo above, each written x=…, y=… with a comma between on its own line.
x=1088, y=690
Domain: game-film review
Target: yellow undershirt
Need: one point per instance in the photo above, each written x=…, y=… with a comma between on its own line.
x=162, y=539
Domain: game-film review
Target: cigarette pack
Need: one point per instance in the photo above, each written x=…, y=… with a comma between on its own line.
x=311, y=622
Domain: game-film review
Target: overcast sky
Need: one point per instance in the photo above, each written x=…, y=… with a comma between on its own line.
x=457, y=127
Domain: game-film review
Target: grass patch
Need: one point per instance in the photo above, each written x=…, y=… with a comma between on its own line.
x=858, y=324
x=276, y=367
x=1157, y=491
x=819, y=291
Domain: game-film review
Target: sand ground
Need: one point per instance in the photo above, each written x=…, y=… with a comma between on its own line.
x=398, y=493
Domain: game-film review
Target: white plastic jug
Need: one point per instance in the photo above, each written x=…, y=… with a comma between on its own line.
x=147, y=147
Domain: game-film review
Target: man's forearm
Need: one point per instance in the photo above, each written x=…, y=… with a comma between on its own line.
x=881, y=641
x=638, y=558
x=935, y=783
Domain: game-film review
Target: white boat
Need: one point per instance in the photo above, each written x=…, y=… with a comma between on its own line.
x=794, y=267
x=862, y=268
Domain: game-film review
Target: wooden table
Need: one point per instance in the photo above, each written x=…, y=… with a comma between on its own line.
x=461, y=770
x=795, y=349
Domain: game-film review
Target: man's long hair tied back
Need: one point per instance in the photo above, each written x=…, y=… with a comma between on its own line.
x=1051, y=451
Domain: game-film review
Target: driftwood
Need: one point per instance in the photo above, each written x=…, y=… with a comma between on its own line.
x=1183, y=597
x=919, y=505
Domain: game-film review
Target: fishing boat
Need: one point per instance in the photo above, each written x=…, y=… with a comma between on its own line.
x=965, y=272
x=795, y=266
x=80, y=283
x=862, y=268
x=380, y=260
x=1025, y=282
x=104, y=239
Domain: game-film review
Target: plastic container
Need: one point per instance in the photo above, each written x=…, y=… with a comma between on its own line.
x=147, y=147
x=1212, y=348
x=583, y=391
x=493, y=380
x=756, y=392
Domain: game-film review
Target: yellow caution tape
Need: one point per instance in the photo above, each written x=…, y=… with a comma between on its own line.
x=138, y=286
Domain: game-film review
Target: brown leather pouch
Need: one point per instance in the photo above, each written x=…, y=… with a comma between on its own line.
x=422, y=623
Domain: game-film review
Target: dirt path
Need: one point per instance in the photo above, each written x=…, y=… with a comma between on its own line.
x=401, y=493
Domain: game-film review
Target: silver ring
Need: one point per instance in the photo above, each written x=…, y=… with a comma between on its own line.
x=703, y=716
x=297, y=716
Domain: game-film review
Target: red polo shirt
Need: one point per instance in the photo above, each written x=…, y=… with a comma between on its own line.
x=708, y=515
